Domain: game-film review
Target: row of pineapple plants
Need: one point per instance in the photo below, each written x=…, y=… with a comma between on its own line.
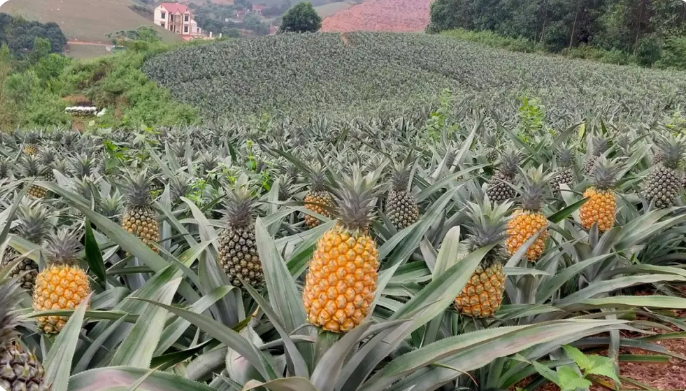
x=376, y=242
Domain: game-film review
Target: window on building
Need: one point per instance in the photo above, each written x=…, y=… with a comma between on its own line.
x=185, y=29
x=186, y=18
x=163, y=15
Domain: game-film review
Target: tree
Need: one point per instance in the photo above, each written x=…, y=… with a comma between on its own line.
x=301, y=19
x=41, y=49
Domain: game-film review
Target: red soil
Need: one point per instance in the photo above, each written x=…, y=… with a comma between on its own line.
x=381, y=15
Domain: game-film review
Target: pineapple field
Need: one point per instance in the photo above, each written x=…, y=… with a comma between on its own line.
x=462, y=252
x=357, y=74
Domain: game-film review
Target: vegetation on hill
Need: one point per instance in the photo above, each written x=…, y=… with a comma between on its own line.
x=302, y=18
x=367, y=73
x=20, y=35
x=646, y=32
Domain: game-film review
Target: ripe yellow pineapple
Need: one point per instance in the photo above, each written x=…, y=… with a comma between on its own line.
x=62, y=285
x=139, y=217
x=341, y=281
x=31, y=169
x=19, y=369
x=601, y=207
x=318, y=200
x=528, y=219
x=401, y=206
x=237, y=246
x=31, y=144
x=483, y=294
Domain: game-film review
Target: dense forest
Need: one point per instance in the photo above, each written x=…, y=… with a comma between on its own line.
x=20, y=34
x=643, y=28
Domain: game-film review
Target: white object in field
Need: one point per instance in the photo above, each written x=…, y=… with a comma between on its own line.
x=101, y=113
x=81, y=110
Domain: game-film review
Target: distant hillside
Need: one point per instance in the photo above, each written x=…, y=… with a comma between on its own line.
x=381, y=15
x=84, y=20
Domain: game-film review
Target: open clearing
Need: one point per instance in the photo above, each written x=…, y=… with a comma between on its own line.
x=84, y=20
x=381, y=15
x=331, y=9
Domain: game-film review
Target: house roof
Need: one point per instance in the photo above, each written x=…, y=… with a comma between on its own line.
x=175, y=8
x=258, y=7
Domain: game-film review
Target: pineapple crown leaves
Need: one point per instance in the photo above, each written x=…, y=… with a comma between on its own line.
x=31, y=138
x=672, y=149
x=487, y=223
x=605, y=172
x=30, y=167
x=83, y=165
x=63, y=247
x=137, y=188
x=600, y=145
x=180, y=185
x=565, y=156
x=47, y=157
x=533, y=188
x=5, y=165
x=509, y=162
x=402, y=174
x=355, y=199
x=240, y=206
x=110, y=205
x=9, y=318
x=317, y=177
x=33, y=221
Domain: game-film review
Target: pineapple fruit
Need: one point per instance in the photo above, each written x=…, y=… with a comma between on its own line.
x=318, y=200
x=492, y=146
x=139, y=217
x=483, y=294
x=565, y=172
x=401, y=206
x=31, y=144
x=664, y=181
x=19, y=369
x=341, y=281
x=30, y=168
x=499, y=187
x=237, y=247
x=528, y=220
x=47, y=161
x=599, y=146
x=34, y=226
x=62, y=285
x=601, y=208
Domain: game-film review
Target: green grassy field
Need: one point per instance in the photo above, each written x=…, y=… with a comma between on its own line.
x=85, y=51
x=84, y=20
x=330, y=9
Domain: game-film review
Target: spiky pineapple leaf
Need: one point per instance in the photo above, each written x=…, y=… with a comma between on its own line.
x=94, y=256
x=567, y=211
x=548, y=288
x=125, y=376
x=289, y=384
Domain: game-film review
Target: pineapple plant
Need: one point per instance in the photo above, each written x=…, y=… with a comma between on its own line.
x=31, y=144
x=601, y=208
x=237, y=246
x=483, y=294
x=664, y=181
x=5, y=171
x=110, y=206
x=30, y=168
x=62, y=285
x=491, y=146
x=83, y=166
x=565, y=172
x=499, y=187
x=47, y=160
x=19, y=369
x=33, y=224
x=139, y=216
x=341, y=281
x=529, y=220
x=318, y=200
x=599, y=146
x=401, y=206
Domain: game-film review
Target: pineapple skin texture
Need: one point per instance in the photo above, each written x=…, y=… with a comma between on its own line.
x=341, y=282
x=31, y=149
x=59, y=287
x=600, y=208
x=37, y=192
x=314, y=201
x=21, y=370
x=142, y=222
x=483, y=294
x=523, y=225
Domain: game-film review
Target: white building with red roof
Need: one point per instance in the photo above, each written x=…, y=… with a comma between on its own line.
x=177, y=18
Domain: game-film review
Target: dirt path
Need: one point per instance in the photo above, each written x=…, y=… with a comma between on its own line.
x=345, y=40
x=88, y=43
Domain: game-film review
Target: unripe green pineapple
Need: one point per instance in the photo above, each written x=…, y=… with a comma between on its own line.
x=33, y=225
x=47, y=160
x=19, y=370
x=499, y=187
x=492, y=147
x=139, y=217
x=401, y=206
x=664, y=182
x=565, y=172
x=31, y=144
x=237, y=247
x=600, y=145
x=30, y=168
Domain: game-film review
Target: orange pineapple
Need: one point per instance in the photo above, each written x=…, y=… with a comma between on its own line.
x=318, y=200
x=602, y=204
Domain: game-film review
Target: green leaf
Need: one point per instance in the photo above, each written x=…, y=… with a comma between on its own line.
x=226, y=336
x=602, y=366
x=448, y=255
x=290, y=384
x=570, y=379
x=566, y=212
x=138, y=347
x=578, y=356
x=101, y=378
x=549, y=287
x=93, y=347
x=546, y=372
x=94, y=256
x=655, y=301
x=330, y=365
x=58, y=363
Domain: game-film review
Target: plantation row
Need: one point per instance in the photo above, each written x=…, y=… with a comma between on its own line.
x=338, y=255
x=367, y=73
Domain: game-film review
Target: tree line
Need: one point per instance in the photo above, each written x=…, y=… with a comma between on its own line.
x=20, y=35
x=643, y=28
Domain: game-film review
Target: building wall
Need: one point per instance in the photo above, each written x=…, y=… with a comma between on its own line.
x=159, y=20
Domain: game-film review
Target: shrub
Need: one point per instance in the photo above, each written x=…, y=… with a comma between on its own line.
x=673, y=54
x=648, y=51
